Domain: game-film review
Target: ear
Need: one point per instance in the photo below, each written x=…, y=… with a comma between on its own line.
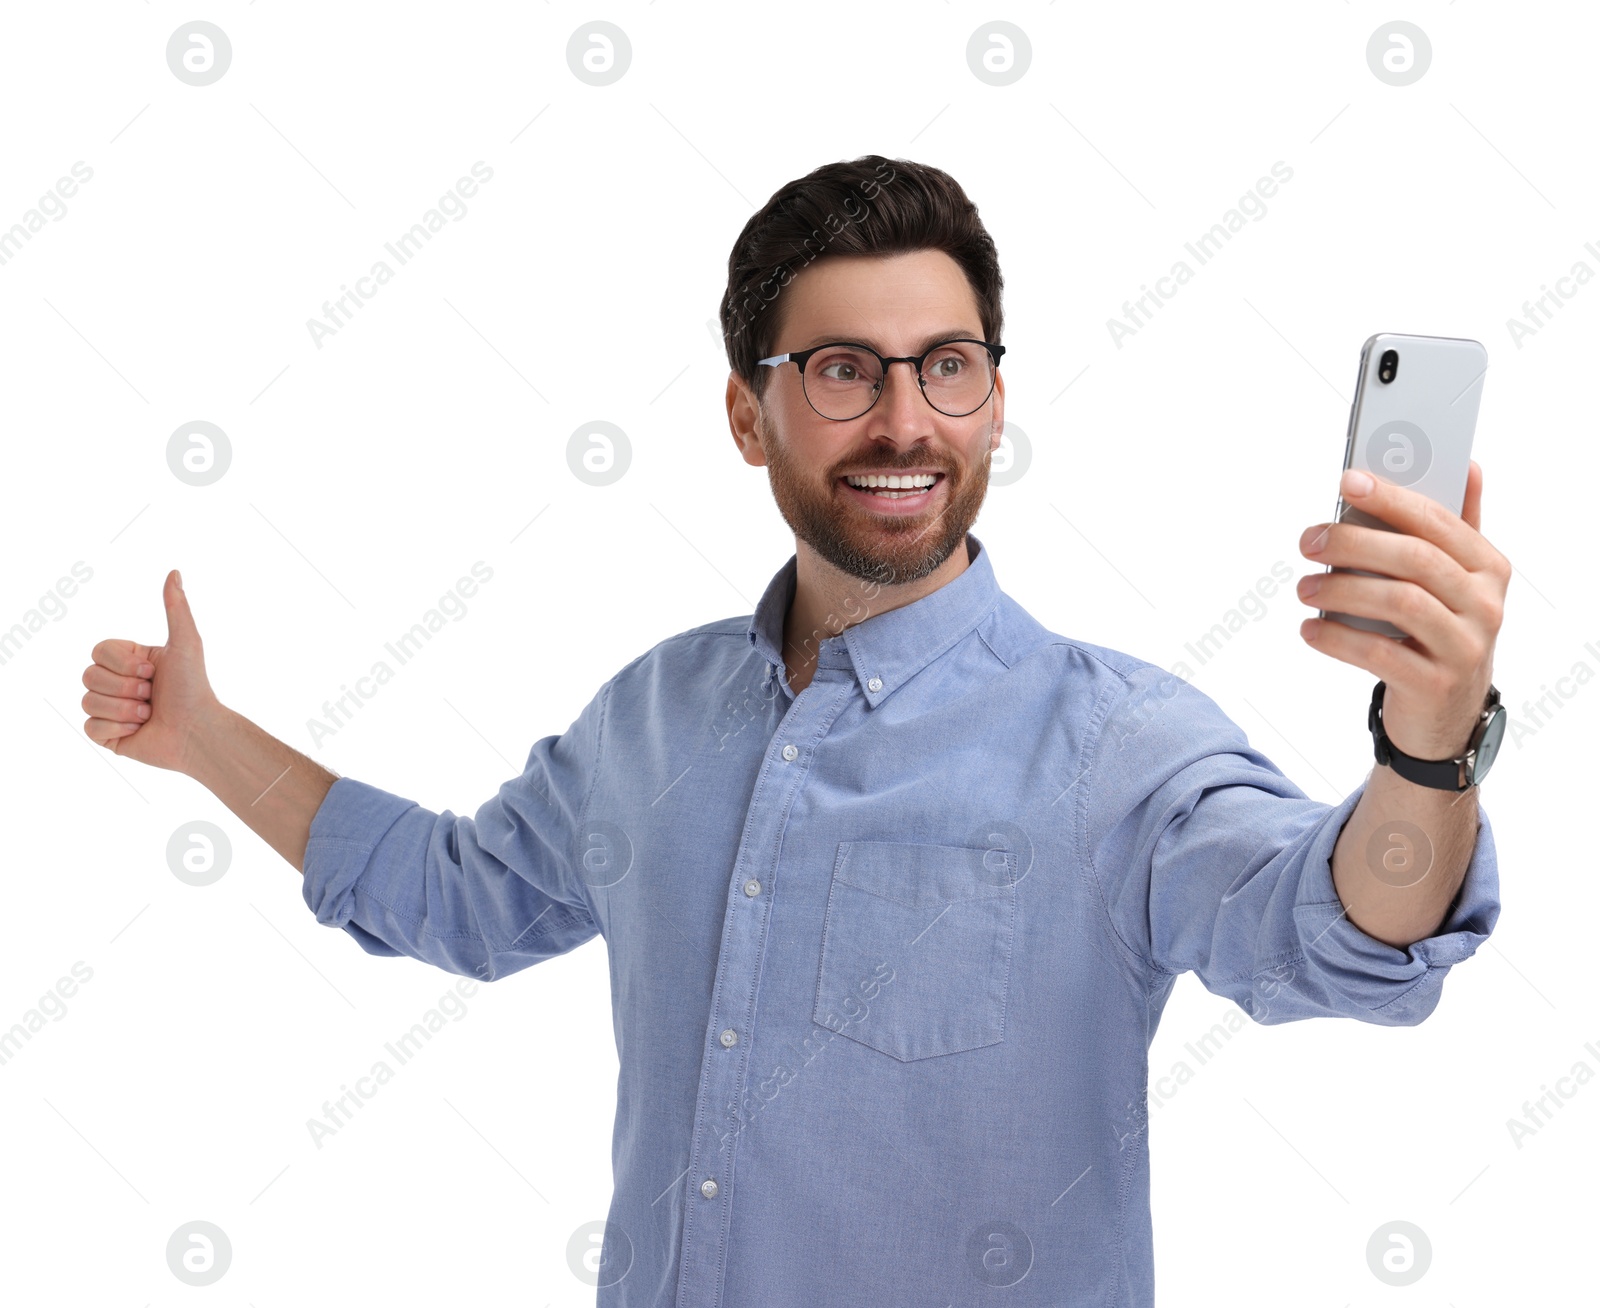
x=744, y=420
x=999, y=422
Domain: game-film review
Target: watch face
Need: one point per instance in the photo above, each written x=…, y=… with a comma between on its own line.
x=1489, y=746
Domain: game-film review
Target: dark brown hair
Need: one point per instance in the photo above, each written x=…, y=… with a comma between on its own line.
x=870, y=205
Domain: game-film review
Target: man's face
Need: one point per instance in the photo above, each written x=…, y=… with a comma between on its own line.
x=899, y=305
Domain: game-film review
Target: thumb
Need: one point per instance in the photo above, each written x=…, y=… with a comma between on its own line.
x=181, y=630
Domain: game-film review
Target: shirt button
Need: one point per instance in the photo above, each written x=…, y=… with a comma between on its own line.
x=752, y=887
x=790, y=753
x=729, y=1038
x=875, y=684
x=708, y=1188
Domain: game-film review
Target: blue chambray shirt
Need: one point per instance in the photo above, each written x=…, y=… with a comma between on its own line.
x=887, y=956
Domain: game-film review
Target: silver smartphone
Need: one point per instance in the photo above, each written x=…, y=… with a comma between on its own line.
x=1411, y=422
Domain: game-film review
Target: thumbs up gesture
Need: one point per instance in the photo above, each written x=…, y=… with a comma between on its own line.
x=152, y=702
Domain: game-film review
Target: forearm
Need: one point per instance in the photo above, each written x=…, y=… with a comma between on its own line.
x=274, y=789
x=1402, y=856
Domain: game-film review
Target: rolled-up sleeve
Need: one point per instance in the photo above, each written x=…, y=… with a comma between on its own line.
x=1210, y=860
x=482, y=896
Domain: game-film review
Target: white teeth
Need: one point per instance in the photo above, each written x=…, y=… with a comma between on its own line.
x=921, y=480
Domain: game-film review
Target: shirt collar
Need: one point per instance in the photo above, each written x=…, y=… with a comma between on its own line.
x=888, y=649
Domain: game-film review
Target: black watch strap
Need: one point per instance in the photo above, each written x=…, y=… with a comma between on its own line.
x=1459, y=773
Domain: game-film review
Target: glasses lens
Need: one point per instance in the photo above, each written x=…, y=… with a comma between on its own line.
x=842, y=381
x=958, y=377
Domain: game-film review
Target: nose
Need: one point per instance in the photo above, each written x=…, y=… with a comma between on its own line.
x=901, y=406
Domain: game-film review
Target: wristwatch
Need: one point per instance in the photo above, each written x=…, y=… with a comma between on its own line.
x=1467, y=769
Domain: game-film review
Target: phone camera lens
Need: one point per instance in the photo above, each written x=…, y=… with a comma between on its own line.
x=1388, y=365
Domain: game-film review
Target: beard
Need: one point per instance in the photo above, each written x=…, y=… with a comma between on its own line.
x=888, y=550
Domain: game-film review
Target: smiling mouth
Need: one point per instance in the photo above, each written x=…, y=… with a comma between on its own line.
x=890, y=494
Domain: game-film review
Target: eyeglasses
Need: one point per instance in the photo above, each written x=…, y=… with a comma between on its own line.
x=955, y=377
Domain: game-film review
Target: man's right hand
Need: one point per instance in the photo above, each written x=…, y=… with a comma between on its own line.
x=150, y=702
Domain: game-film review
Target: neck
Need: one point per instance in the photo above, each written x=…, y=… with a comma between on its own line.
x=826, y=601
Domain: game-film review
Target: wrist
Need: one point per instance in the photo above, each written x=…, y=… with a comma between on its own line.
x=1443, y=767
x=1433, y=745
x=1428, y=737
x=207, y=743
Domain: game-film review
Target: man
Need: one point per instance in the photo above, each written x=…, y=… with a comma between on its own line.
x=895, y=882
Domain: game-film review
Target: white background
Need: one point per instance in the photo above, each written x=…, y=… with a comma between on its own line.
x=367, y=475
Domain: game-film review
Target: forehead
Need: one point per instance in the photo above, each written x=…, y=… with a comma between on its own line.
x=888, y=301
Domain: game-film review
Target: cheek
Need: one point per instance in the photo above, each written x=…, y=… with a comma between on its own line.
x=982, y=441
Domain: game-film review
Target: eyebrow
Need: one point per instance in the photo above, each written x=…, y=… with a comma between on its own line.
x=950, y=333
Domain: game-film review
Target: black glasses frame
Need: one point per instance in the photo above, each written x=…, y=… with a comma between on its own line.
x=801, y=357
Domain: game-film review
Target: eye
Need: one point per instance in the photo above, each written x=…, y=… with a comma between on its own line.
x=945, y=367
x=845, y=367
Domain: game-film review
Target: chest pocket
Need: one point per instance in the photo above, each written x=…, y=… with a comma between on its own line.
x=916, y=947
